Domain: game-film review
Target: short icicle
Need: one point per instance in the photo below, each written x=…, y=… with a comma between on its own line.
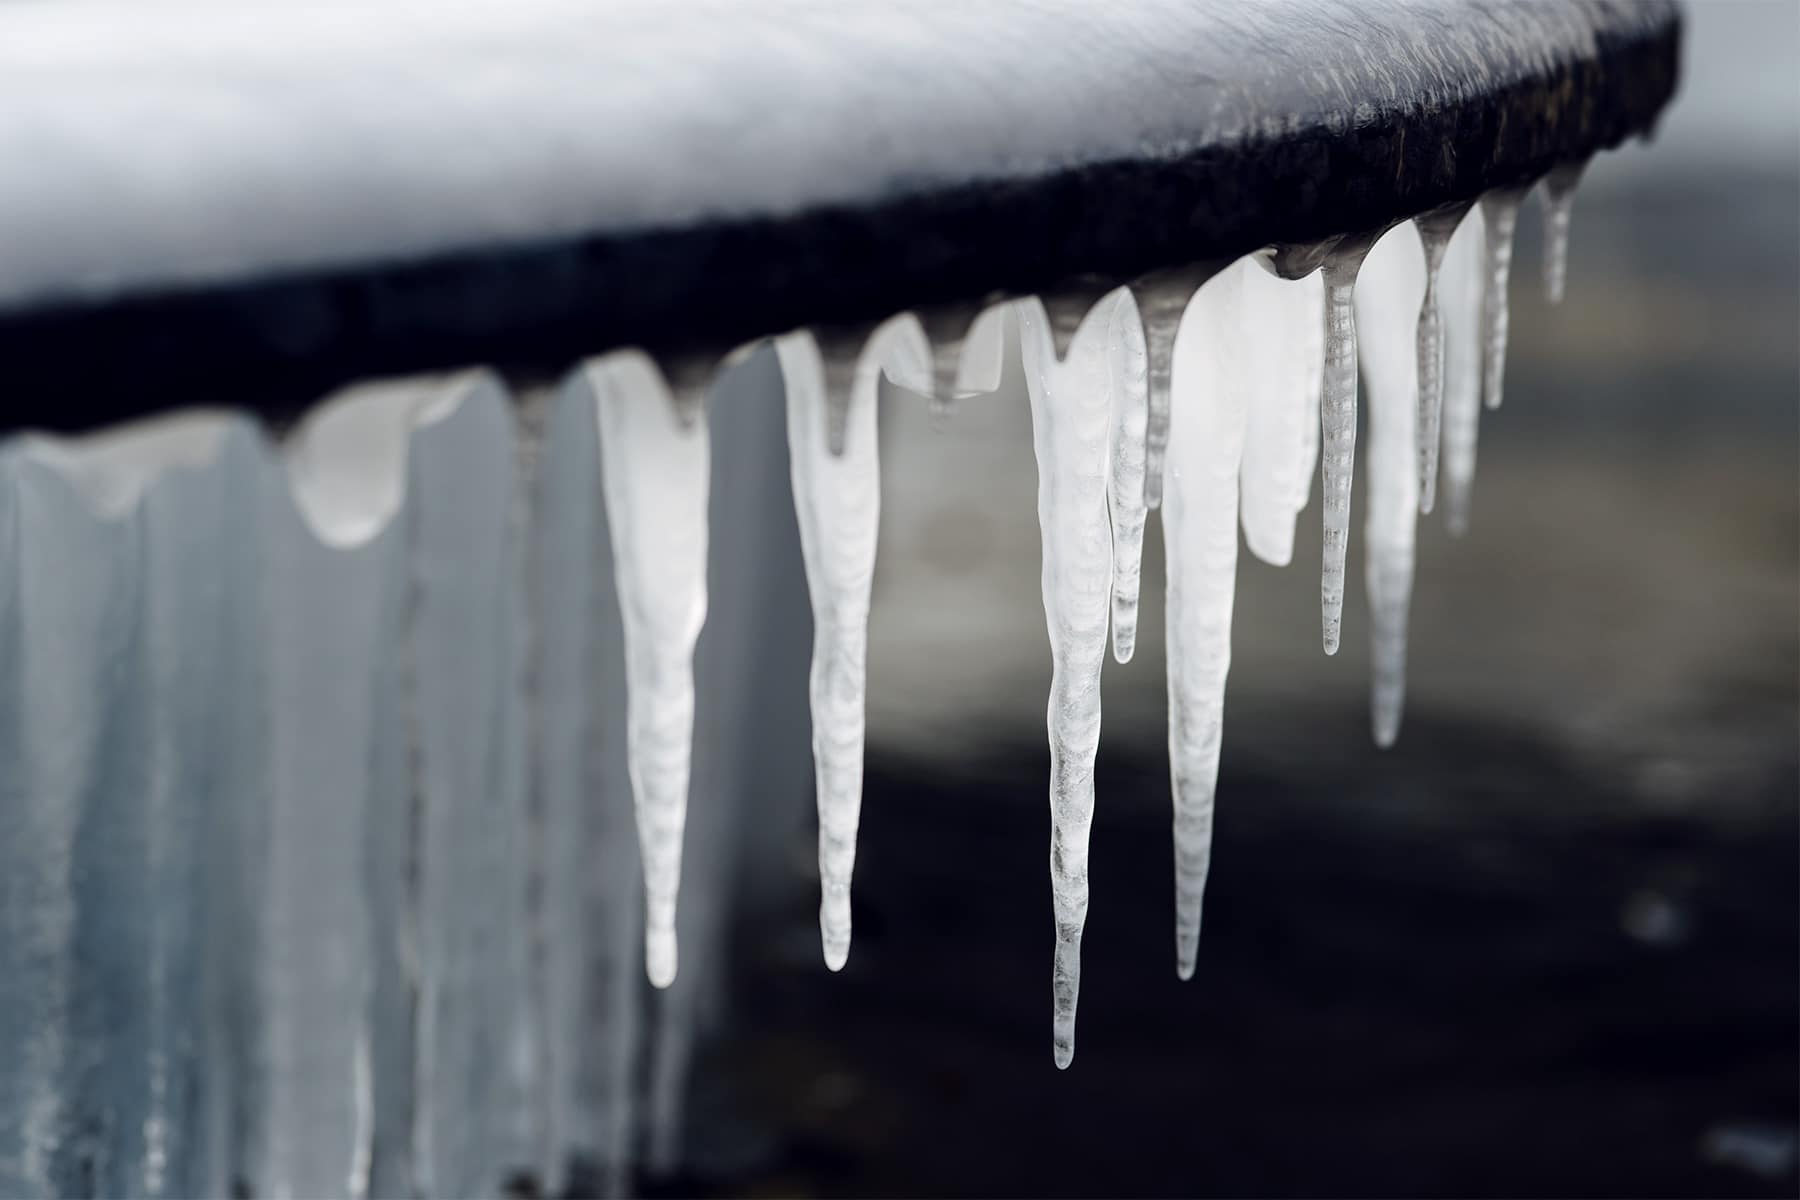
x=1072, y=420
x=837, y=500
x=1559, y=202
x=1161, y=300
x=1388, y=298
x=1337, y=423
x=1286, y=332
x=655, y=453
x=1128, y=368
x=1200, y=537
x=1500, y=212
x=1460, y=293
x=1435, y=231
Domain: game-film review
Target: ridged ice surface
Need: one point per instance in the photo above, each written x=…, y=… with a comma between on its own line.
x=1559, y=204
x=1073, y=421
x=1435, y=231
x=1285, y=332
x=837, y=500
x=1337, y=430
x=1389, y=291
x=1128, y=369
x=656, y=456
x=1213, y=367
x=1460, y=292
x=1500, y=215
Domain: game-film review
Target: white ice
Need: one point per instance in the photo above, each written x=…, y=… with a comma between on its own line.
x=1389, y=292
x=1128, y=370
x=837, y=500
x=1460, y=292
x=1559, y=202
x=1213, y=370
x=656, y=466
x=1285, y=328
x=1337, y=424
x=1500, y=213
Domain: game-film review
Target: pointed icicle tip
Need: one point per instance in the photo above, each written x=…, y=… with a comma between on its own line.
x=1559, y=202
x=1337, y=422
x=1500, y=211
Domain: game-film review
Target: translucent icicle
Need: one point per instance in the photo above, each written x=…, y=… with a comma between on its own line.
x=966, y=347
x=1388, y=297
x=1559, y=201
x=1161, y=301
x=1500, y=210
x=1337, y=422
x=1128, y=366
x=1460, y=293
x=655, y=453
x=1199, y=521
x=1072, y=421
x=1435, y=230
x=837, y=499
x=1286, y=338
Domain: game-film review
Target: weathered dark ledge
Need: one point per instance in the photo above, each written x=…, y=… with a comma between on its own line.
x=1338, y=119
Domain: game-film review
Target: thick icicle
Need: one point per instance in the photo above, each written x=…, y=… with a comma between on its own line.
x=837, y=499
x=1337, y=422
x=1199, y=521
x=1072, y=421
x=1460, y=294
x=966, y=346
x=1500, y=211
x=1435, y=231
x=655, y=453
x=1388, y=297
x=1559, y=200
x=1161, y=301
x=1286, y=335
x=1127, y=364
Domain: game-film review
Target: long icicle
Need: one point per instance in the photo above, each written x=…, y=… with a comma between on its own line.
x=655, y=453
x=1128, y=367
x=837, y=500
x=1559, y=202
x=1460, y=292
x=1388, y=297
x=1436, y=228
x=1337, y=422
x=1500, y=209
x=1071, y=430
x=1199, y=522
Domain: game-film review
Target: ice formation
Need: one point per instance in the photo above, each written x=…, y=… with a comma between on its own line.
x=1559, y=201
x=1500, y=213
x=655, y=454
x=1073, y=419
x=390, y=1027
x=1337, y=425
x=1391, y=288
x=1460, y=291
x=1212, y=365
x=836, y=472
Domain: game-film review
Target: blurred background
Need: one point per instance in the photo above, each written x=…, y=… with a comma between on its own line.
x=1545, y=945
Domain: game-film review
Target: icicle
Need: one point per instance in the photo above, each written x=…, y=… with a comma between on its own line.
x=1161, y=301
x=966, y=347
x=1559, y=200
x=1285, y=329
x=1388, y=297
x=655, y=453
x=1127, y=365
x=1199, y=521
x=837, y=498
x=1500, y=210
x=1435, y=231
x=1460, y=294
x=1072, y=418
x=1337, y=421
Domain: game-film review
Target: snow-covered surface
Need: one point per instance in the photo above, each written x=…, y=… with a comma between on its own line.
x=191, y=141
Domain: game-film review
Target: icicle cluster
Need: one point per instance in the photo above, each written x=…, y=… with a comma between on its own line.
x=395, y=1026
